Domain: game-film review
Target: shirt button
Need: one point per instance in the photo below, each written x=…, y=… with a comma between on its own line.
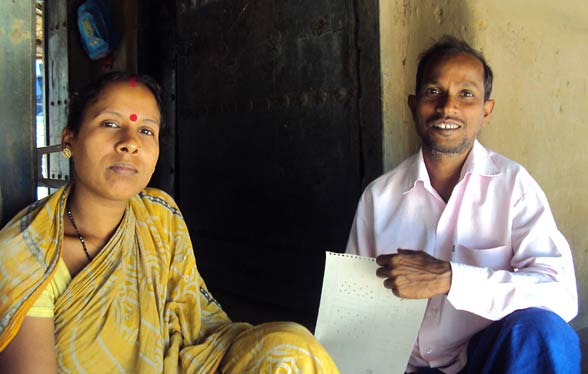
x=428, y=351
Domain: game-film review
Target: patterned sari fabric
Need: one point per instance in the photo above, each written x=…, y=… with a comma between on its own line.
x=140, y=306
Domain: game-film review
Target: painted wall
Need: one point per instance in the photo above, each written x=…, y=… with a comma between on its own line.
x=537, y=50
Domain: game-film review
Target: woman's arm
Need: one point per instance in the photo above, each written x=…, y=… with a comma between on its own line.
x=32, y=350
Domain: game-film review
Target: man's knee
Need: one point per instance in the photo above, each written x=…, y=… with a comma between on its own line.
x=540, y=323
x=528, y=340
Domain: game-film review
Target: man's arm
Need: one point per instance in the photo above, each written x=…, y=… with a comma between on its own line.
x=361, y=236
x=543, y=274
x=32, y=350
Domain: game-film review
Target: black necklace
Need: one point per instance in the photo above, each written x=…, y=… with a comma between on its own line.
x=68, y=211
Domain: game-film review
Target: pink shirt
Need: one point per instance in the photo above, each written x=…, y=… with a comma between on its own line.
x=497, y=231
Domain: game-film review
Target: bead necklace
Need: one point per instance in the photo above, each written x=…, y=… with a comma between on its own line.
x=68, y=211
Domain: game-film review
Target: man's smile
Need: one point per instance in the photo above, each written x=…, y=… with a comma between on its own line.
x=446, y=126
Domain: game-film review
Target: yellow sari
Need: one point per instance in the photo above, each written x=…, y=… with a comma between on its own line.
x=140, y=306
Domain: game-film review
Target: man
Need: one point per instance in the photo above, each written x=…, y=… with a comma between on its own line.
x=471, y=231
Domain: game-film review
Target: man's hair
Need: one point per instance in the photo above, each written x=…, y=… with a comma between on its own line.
x=447, y=46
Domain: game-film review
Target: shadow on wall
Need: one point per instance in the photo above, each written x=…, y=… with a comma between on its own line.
x=437, y=19
x=408, y=28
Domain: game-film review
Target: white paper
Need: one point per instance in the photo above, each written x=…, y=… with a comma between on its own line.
x=365, y=328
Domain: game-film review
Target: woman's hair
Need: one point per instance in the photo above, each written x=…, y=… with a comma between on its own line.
x=80, y=101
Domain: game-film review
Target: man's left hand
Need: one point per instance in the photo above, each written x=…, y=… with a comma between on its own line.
x=414, y=274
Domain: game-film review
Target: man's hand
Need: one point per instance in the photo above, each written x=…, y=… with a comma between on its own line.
x=414, y=274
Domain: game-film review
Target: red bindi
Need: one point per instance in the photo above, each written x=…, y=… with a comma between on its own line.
x=133, y=82
x=133, y=117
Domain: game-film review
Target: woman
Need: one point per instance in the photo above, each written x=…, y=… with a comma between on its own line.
x=101, y=277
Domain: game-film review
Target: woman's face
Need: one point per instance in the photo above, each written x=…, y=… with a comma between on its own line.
x=117, y=145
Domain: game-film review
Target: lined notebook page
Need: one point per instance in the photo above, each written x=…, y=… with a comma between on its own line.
x=364, y=326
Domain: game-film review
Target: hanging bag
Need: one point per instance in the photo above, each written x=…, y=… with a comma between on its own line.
x=98, y=36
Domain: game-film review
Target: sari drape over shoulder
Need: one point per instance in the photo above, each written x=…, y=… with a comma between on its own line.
x=140, y=305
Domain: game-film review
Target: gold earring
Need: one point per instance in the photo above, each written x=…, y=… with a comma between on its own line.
x=66, y=152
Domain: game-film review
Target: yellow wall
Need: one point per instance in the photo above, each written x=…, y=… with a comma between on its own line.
x=538, y=50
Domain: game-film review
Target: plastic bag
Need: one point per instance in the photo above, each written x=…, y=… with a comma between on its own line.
x=97, y=33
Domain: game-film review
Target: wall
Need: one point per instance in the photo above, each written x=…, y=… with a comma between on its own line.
x=17, y=43
x=537, y=50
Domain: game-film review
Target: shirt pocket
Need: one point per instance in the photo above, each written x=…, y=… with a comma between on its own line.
x=494, y=258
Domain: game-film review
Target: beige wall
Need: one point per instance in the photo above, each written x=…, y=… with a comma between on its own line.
x=538, y=50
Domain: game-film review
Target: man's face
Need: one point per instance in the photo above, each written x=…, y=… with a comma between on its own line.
x=450, y=110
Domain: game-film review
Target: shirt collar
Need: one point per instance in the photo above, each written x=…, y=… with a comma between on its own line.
x=417, y=172
x=477, y=162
